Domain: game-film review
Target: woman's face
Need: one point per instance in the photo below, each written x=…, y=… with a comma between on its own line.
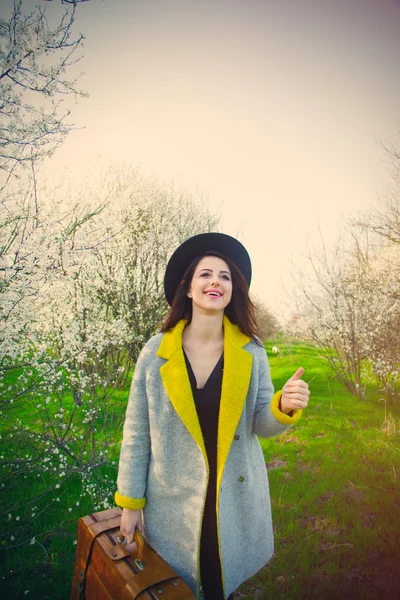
x=211, y=285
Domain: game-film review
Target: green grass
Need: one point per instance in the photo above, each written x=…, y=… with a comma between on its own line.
x=334, y=481
x=335, y=493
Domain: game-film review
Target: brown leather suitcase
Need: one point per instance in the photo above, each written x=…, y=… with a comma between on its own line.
x=106, y=570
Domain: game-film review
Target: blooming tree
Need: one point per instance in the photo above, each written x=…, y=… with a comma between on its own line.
x=382, y=225
x=81, y=290
x=350, y=309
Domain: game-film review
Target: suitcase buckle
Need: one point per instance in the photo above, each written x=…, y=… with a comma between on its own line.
x=121, y=540
x=139, y=564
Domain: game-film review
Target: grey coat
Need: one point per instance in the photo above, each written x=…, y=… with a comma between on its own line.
x=163, y=465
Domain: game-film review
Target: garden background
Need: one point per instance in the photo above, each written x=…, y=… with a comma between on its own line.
x=81, y=290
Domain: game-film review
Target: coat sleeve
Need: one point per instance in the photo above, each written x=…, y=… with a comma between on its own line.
x=268, y=420
x=135, y=448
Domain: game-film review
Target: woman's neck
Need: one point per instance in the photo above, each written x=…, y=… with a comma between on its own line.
x=204, y=329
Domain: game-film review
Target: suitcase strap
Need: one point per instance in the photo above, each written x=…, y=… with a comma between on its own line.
x=151, y=576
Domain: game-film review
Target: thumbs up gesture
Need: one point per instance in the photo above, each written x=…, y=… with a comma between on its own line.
x=295, y=393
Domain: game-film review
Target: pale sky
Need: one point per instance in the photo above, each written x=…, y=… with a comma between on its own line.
x=272, y=108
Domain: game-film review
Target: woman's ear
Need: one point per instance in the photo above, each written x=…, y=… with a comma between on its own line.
x=189, y=293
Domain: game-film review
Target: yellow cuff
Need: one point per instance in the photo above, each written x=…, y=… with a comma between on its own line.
x=130, y=503
x=281, y=416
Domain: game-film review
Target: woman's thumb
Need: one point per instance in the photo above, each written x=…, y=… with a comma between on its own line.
x=297, y=375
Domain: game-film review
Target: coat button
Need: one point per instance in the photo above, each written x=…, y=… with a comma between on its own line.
x=241, y=478
x=237, y=437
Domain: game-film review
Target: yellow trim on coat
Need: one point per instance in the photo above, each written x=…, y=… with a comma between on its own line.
x=176, y=382
x=235, y=384
x=131, y=503
x=281, y=416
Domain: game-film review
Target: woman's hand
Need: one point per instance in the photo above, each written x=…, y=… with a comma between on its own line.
x=295, y=393
x=129, y=521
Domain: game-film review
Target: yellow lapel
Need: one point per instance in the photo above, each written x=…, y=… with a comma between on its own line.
x=176, y=382
x=235, y=384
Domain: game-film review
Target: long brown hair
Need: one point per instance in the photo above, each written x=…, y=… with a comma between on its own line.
x=240, y=310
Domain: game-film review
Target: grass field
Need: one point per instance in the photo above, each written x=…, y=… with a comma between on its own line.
x=335, y=489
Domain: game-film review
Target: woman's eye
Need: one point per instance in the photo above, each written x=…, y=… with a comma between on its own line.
x=226, y=277
x=204, y=274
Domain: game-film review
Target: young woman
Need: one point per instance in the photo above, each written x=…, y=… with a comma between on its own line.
x=191, y=462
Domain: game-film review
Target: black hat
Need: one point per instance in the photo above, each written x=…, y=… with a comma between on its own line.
x=197, y=246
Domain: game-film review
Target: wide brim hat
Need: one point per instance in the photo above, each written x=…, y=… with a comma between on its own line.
x=197, y=246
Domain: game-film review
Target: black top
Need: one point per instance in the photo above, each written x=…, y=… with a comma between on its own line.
x=207, y=401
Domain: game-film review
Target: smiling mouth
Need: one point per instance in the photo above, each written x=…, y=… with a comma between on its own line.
x=213, y=294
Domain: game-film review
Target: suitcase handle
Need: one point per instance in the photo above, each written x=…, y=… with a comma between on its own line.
x=139, y=541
